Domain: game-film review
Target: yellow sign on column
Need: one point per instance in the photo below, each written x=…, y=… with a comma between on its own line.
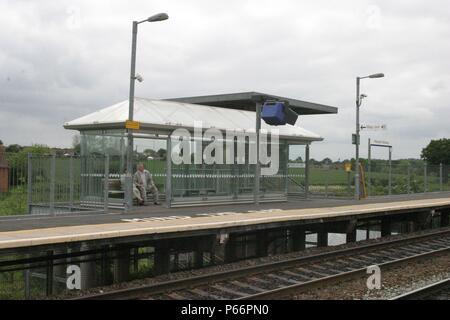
x=347, y=166
x=136, y=125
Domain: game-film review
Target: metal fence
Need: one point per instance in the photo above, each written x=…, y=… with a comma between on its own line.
x=50, y=184
x=13, y=182
x=379, y=179
x=407, y=179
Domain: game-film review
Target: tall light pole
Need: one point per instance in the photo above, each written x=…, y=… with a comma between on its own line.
x=359, y=98
x=129, y=188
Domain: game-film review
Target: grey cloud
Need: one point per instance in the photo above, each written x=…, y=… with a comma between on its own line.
x=61, y=60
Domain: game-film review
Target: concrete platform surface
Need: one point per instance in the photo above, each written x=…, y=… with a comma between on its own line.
x=167, y=221
x=27, y=222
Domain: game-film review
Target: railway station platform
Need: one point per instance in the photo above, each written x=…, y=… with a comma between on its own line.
x=156, y=222
x=38, y=252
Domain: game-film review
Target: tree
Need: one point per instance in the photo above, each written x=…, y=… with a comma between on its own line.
x=150, y=153
x=18, y=161
x=76, y=144
x=161, y=153
x=14, y=148
x=437, y=152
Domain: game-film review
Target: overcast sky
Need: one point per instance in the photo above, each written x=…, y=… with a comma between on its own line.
x=63, y=59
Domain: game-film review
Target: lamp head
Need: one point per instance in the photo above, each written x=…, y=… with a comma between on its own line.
x=377, y=75
x=158, y=17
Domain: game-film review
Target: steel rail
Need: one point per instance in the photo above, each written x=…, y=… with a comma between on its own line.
x=317, y=283
x=180, y=284
x=426, y=291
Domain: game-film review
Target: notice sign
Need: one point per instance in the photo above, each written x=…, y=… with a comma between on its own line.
x=136, y=125
x=296, y=165
x=347, y=167
x=374, y=127
x=385, y=143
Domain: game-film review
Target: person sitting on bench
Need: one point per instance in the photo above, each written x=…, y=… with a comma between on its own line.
x=136, y=193
x=144, y=182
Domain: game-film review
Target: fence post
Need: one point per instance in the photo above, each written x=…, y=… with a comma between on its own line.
x=71, y=183
x=409, y=178
x=52, y=183
x=425, y=178
x=306, y=171
x=26, y=276
x=440, y=177
x=349, y=183
x=106, y=184
x=286, y=168
x=369, y=170
x=390, y=170
x=168, y=186
x=29, y=182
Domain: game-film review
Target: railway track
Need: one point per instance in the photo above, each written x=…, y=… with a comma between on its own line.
x=436, y=291
x=281, y=279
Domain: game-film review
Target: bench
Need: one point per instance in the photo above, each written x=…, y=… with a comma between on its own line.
x=198, y=191
x=115, y=190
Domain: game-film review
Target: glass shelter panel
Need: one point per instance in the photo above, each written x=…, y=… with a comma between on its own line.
x=296, y=179
x=229, y=181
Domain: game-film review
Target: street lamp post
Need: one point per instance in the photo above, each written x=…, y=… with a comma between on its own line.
x=129, y=184
x=359, y=98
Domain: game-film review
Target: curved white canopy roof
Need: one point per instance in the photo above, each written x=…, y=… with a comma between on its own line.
x=170, y=115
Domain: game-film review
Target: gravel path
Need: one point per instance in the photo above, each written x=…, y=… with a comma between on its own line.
x=394, y=282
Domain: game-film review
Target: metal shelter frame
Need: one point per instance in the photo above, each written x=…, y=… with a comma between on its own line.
x=247, y=101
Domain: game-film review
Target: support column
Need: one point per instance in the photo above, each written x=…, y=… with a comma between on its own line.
x=59, y=271
x=136, y=259
x=162, y=258
x=322, y=238
x=230, y=250
x=87, y=268
x=385, y=227
x=351, y=231
x=262, y=243
x=122, y=264
x=445, y=218
x=198, y=254
x=218, y=252
x=49, y=273
x=105, y=276
x=423, y=220
x=412, y=226
x=298, y=239
x=351, y=236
